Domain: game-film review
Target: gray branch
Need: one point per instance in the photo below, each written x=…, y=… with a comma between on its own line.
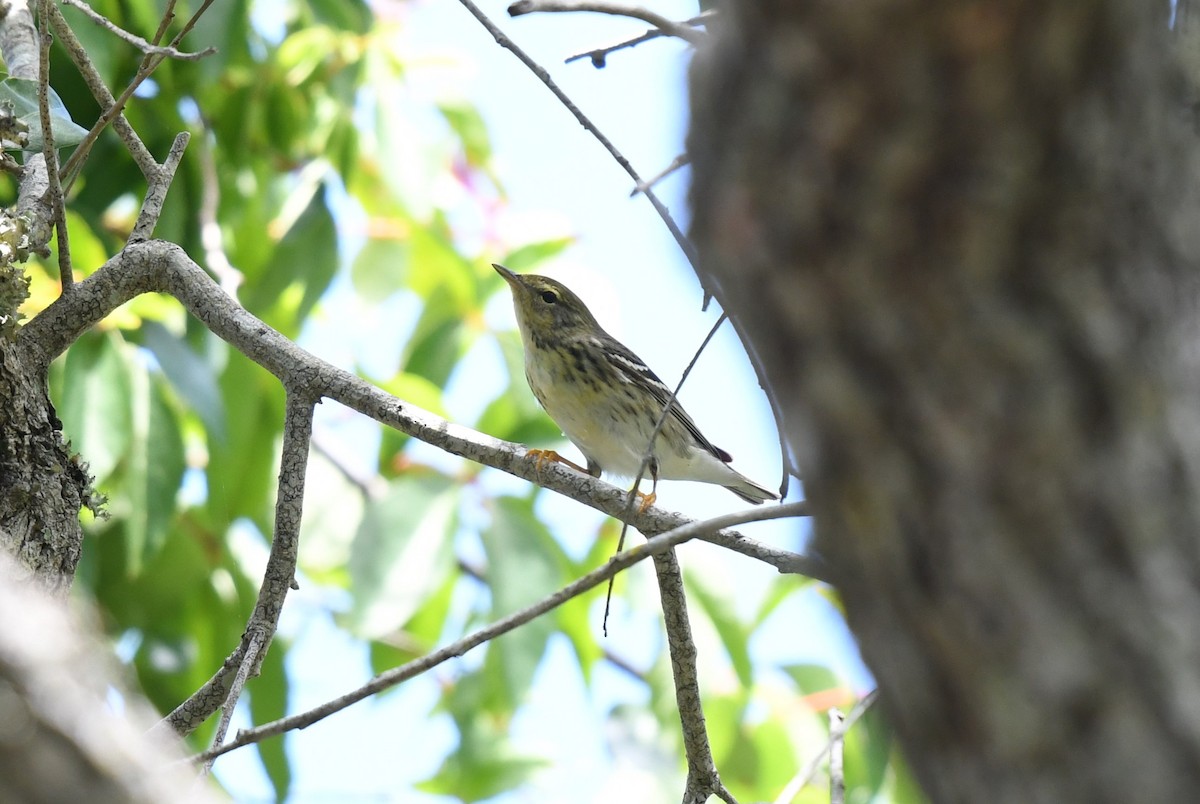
x=159, y=267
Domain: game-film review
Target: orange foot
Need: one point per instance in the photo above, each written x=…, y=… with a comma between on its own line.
x=647, y=501
x=541, y=457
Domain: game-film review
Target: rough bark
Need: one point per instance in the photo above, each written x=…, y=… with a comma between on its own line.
x=42, y=487
x=961, y=239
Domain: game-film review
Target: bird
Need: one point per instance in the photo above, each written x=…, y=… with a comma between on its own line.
x=606, y=400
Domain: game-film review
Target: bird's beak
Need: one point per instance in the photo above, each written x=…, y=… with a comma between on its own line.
x=508, y=275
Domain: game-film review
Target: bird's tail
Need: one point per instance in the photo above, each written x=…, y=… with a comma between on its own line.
x=750, y=491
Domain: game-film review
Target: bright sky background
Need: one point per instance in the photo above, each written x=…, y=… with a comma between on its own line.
x=628, y=268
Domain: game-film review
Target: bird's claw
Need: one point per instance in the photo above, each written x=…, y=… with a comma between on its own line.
x=541, y=457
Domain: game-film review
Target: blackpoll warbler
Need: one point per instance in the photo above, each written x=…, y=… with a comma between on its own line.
x=605, y=399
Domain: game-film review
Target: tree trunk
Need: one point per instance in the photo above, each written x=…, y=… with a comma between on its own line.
x=42, y=486
x=960, y=239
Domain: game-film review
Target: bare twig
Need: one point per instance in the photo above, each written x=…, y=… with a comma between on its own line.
x=837, y=775
x=802, y=779
x=647, y=455
x=702, y=777
x=599, y=56
x=79, y=57
x=675, y=165
x=211, y=236
x=667, y=26
x=253, y=646
x=185, y=718
x=135, y=40
x=65, y=275
x=150, y=63
x=156, y=190
x=685, y=245
x=280, y=573
x=654, y=547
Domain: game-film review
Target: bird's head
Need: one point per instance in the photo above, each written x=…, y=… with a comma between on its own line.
x=546, y=307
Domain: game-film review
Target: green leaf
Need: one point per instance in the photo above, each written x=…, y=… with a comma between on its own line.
x=380, y=268
x=812, y=678
x=519, y=573
x=242, y=469
x=22, y=93
x=95, y=404
x=154, y=470
x=402, y=552
x=421, y=633
x=192, y=376
x=522, y=259
x=734, y=636
x=867, y=751
x=468, y=124
x=307, y=255
x=484, y=764
x=480, y=769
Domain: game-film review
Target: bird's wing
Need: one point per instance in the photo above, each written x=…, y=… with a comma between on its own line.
x=636, y=369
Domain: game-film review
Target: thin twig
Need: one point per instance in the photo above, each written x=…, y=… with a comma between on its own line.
x=667, y=26
x=254, y=646
x=135, y=40
x=390, y=678
x=65, y=275
x=648, y=454
x=150, y=63
x=156, y=190
x=676, y=164
x=185, y=718
x=702, y=777
x=280, y=573
x=837, y=775
x=685, y=245
x=599, y=56
x=95, y=83
x=212, y=238
x=805, y=776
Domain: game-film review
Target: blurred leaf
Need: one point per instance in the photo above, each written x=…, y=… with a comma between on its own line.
x=416, y=390
x=242, y=469
x=333, y=510
x=812, y=678
x=268, y=701
x=307, y=255
x=303, y=51
x=402, y=551
x=153, y=470
x=380, y=267
x=519, y=574
x=734, y=636
x=22, y=93
x=192, y=376
x=867, y=753
x=778, y=591
x=904, y=787
x=438, y=343
x=522, y=259
x=95, y=404
x=353, y=16
x=420, y=634
x=482, y=766
x=468, y=124
x=760, y=759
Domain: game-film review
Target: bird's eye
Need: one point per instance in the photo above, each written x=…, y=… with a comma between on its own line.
x=549, y=297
